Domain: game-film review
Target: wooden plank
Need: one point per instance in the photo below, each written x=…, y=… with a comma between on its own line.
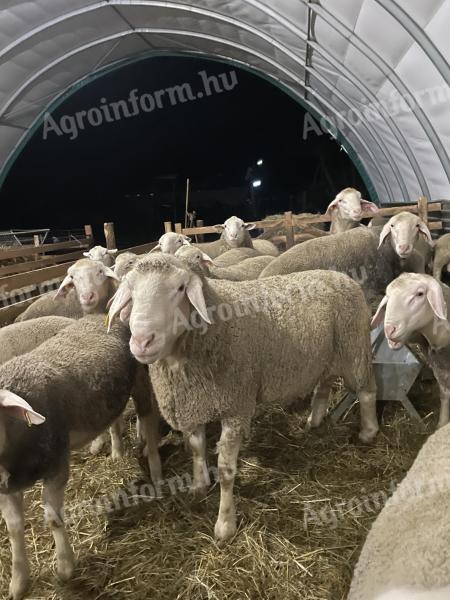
x=39, y=276
x=435, y=225
x=167, y=226
x=179, y=229
x=422, y=209
x=30, y=250
x=110, y=236
x=142, y=249
x=289, y=226
x=32, y=265
x=88, y=232
x=9, y=313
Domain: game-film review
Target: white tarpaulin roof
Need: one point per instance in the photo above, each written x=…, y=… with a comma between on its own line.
x=377, y=69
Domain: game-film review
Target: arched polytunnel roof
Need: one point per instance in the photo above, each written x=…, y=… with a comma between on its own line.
x=377, y=70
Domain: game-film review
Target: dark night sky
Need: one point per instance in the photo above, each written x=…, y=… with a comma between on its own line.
x=63, y=183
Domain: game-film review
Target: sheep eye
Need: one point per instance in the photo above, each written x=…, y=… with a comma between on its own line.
x=181, y=288
x=420, y=294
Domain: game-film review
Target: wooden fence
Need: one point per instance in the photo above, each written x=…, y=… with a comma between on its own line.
x=21, y=283
x=289, y=222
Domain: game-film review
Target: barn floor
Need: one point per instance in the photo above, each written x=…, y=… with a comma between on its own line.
x=305, y=502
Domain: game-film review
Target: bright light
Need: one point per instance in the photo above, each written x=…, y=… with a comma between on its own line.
x=256, y=183
x=259, y=162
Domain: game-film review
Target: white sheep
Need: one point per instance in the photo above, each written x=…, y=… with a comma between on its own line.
x=235, y=256
x=170, y=242
x=441, y=256
x=362, y=253
x=86, y=289
x=414, y=309
x=124, y=263
x=19, y=338
x=406, y=555
x=101, y=254
x=269, y=341
x=346, y=210
x=235, y=234
x=73, y=386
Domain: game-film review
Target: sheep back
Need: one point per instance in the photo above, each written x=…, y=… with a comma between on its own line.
x=46, y=305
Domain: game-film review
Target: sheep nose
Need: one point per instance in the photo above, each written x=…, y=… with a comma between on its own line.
x=140, y=344
x=403, y=248
x=389, y=330
x=88, y=298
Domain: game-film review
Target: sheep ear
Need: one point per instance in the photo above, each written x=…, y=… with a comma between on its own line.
x=384, y=233
x=113, y=251
x=436, y=299
x=186, y=240
x=369, y=207
x=157, y=247
x=110, y=273
x=86, y=254
x=332, y=205
x=423, y=229
x=378, y=317
x=219, y=228
x=65, y=287
x=119, y=301
x=194, y=292
x=207, y=260
x=15, y=406
x=249, y=226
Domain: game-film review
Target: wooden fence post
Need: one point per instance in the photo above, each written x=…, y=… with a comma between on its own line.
x=167, y=226
x=422, y=209
x=200, y=237
x=36, y=242
x=178, y=228
x=289, y=226
x=89, y=235
x=110, y=236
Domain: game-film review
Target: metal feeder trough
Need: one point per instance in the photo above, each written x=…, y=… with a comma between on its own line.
x=395, y=372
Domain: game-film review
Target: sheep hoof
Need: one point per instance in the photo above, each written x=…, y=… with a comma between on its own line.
x=117, y=454
x=367, y=436
x=96, y=447
x=19, y=586
x=65, y=568
x=224, y=530
x=198, y=490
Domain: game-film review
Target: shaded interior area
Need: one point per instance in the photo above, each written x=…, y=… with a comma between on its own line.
x=132, y=167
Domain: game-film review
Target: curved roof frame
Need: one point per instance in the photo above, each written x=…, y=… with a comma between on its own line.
x=365, y=135
x=376, y=59
x=384, y=150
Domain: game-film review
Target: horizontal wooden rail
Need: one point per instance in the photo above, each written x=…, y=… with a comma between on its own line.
x=142, y=249
x=32, y=265
x=39, y=276
x=30, y=250
x=9, y=313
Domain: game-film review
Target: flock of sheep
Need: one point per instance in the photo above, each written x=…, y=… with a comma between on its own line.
x=224, y=329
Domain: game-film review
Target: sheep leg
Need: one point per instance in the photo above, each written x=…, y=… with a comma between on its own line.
x=98, y=444
x=148, y=415
x=368, y=410
x=319, y=404
x=445, y=406
x=228, y=447
x=116, y=431
x=197, y=443
x=11, y=506
x=53, y=497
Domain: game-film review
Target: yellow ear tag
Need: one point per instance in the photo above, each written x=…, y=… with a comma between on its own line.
x=27, y=418
x=107, y=319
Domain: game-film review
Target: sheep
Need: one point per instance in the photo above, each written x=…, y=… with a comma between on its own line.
x=102, y=255
x=441, y=256
x=268, y=341
x=71, y=387
x=406, y=554
x=235, y=256
x=245, y=270
x=86, y=289
x=346, y=210
x=359, y=252
x=170, y=242
x=404, y=229
x=235, y=234
x=19, y=338
x=416, y=310
x=124, y=263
